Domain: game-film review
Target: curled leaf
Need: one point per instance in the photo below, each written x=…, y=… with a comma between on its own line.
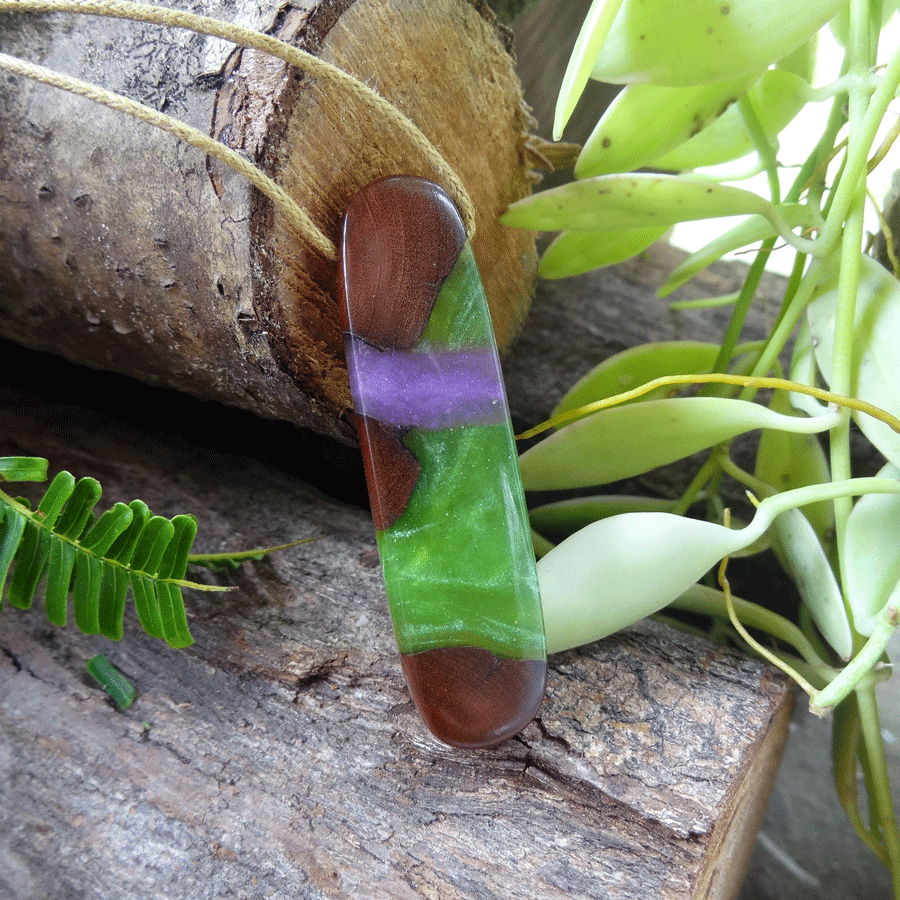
x=114, y=682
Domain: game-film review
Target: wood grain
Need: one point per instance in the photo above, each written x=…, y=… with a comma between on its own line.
x=392, y=472
x=401, y=238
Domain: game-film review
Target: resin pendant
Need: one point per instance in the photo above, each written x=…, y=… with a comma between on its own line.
x=441, y=464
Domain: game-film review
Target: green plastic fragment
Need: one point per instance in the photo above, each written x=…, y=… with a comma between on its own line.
x=113, y=681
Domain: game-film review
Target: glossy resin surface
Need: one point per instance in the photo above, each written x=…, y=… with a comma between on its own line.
x=441, y=464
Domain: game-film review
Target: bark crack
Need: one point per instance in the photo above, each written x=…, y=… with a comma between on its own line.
x=16, y=662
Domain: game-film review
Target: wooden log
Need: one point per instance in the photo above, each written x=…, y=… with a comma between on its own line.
x=134, y=254
x=280, y=756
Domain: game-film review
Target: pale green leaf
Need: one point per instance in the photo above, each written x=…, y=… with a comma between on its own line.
x=621, y=569
x=646, y=120
x=876, y=360
x=623, y=441
x=576, y=252
x=805, y=561
x=776, y=98
x=636, y=366
x=590, y=38
x=666, y=43
x=636, y=200
x=870, y=558
x=626, y=567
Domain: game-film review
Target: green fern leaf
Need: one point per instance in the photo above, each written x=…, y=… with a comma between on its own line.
x=107, y=529
x=31, y=560
x=13, y=528
x=114, y=682
x=86, y=592
x=59, y=580
x=122, y=548
x=23, y=468
x=94, y=560
x=173, y=565
x=55, y=499
x=152, y=544
x=171, y=606
x=79, y=511
x=146, y=604
x=113, y=593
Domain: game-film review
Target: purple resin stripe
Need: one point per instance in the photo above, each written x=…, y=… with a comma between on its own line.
x=433, y=389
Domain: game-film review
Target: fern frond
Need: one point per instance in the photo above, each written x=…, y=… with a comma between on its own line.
x=95, y=560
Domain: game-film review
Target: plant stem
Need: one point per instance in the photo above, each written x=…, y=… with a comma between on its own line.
x=883, y=816
x=784, y=330
x=739, y=314
x=763, y=146
x=866, y=659
x=854, y=178
x=698, y=483
x=846, y=750
x=708, y=601
x=842, y=357
x=863, y=138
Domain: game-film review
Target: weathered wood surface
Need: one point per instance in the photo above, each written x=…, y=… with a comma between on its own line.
x=138, y=255
x=280, y=756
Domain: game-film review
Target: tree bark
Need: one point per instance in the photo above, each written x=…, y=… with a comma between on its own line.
x=124, y=250
x=281, y=757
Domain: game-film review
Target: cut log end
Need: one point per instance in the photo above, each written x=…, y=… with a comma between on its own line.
x=444, y=66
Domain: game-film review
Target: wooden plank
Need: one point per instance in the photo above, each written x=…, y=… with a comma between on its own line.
x=280, y=755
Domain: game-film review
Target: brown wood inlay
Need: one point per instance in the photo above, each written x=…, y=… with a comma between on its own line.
x=401, y=239
x=392, y=471
x=470, y=698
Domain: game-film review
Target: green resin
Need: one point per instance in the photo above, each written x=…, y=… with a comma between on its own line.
x=458, y=563
x=460, y=318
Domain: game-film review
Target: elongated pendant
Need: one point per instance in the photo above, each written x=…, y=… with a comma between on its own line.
x=440, y=463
